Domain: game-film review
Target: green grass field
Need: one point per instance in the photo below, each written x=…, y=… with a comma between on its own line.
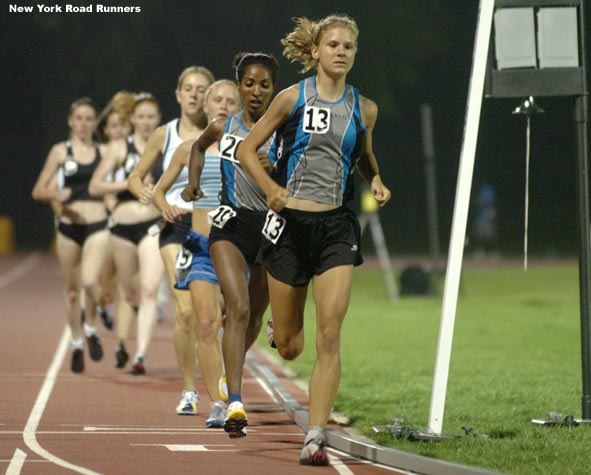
x=515, y=356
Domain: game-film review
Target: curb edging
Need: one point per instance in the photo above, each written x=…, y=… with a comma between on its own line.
x=357, y=446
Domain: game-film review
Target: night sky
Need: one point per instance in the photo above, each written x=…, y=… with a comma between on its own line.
x=410, y=52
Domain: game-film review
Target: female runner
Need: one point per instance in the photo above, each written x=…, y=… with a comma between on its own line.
x=192, y=84
x=82, y=238
x=135, y=251
x=323, y=132
x=235, y=237
x=195, y=271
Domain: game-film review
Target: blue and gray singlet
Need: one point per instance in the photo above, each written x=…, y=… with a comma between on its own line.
x=316, y=149
x=238, y=188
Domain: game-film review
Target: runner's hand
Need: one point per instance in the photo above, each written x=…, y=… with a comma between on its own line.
x=173, y=213
x=277, y=198
x=191, y=194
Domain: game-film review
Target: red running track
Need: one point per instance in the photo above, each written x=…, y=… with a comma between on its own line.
x=106, y=421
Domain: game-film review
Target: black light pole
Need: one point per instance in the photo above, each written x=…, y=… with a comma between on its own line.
x=431, y=185
x=581, y=116
x=581, y=119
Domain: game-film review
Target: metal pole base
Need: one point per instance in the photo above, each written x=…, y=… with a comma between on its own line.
x=398, y=430
x=556, y=419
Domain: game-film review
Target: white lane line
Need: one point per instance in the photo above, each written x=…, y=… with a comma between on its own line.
x=29, y=434
x=335, y=462
x=145, y=430
x=16, y=464
x=339, y=466
x=189, y=447
x=209, y=432
x=369, y=462
x=20, y=270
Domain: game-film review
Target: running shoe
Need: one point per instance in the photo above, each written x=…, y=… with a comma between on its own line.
x=223, y=388
x=160, y=317
x=138, y=367
x=94, y=347
x=106, y=317
x=236, y=420
x=270, y=334
x=121, y=356
x=217, y=412
x=188, y=404
x=314, y=451
x=77, y=365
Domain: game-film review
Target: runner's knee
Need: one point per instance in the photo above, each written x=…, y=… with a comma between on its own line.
x=327, y=342
x=289, y=349
x=73, y=296
x=184, y=321
x=238, y=310
x=207, y=328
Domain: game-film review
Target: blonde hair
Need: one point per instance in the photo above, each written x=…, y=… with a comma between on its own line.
x=121, y=103
x=307, y=34
x=217, y=83
x=194, y=70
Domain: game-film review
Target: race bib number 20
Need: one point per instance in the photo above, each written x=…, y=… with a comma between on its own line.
x=228, y=146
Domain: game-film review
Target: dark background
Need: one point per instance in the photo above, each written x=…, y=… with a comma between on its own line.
x=410, y=52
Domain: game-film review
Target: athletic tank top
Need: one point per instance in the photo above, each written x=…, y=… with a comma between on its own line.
x=171, y=143
x=72, y=174
x=238, y=188
x=210, y=183
x=317, y=147
x=123, y=172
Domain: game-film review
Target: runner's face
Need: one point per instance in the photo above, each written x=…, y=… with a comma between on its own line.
x=145, y=118
x=82, y=121
x=222, y=102
x=116, y=128
x=256, y=89
x=191, y=93
x=336, y=51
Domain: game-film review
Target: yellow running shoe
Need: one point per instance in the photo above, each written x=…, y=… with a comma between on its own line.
x=236, y=420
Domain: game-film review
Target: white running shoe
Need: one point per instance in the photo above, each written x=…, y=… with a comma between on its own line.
x=217, y=412
x=314, y=451
x=189, y=403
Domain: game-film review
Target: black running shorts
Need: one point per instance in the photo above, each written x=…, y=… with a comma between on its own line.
x=175, y=233
x=312, y=243
x=244, y=231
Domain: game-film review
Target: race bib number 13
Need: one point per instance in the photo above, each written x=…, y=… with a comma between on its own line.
x=274, y=225
x=316, y=120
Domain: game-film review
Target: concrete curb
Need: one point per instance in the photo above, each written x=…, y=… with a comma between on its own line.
x=358, y=446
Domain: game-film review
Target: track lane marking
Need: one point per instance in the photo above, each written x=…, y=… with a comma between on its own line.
x=339, y=465
x=398, y=471
x=189, y=447
x=20, y=270
x=29, y=434
x=16, y=464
